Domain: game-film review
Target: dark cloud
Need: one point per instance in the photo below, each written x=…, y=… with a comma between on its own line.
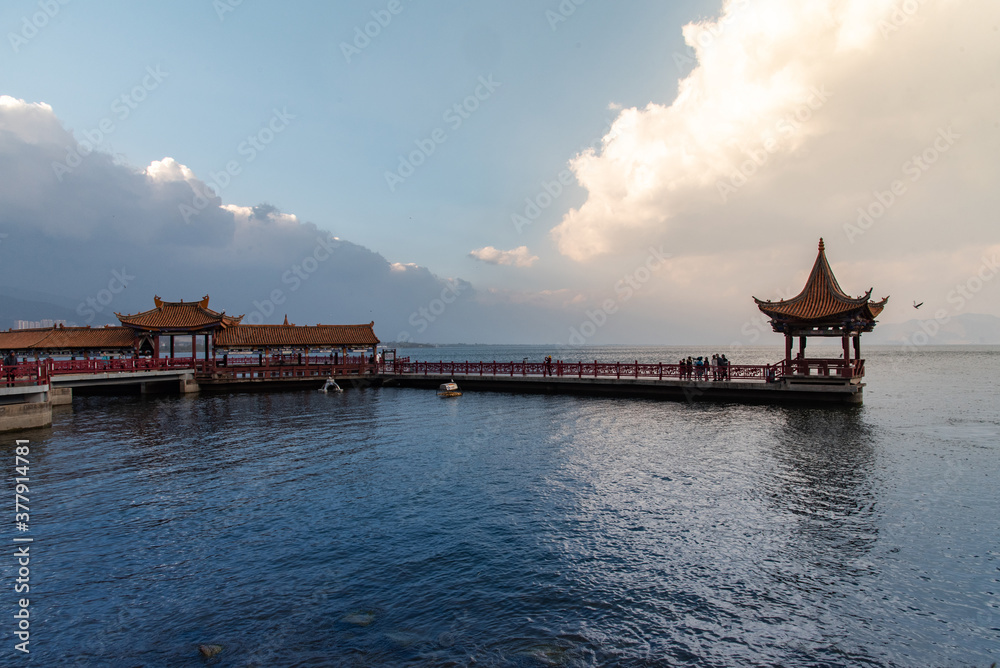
x=76, y=222
x=78, y=225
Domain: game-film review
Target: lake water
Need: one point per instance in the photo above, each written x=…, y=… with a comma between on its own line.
x=392, y=527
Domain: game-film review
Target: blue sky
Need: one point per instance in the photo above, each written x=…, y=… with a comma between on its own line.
x=844, y=92
x=353, y=120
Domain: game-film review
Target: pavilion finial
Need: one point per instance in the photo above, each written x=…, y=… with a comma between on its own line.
x=821, y=246
x=286, y=320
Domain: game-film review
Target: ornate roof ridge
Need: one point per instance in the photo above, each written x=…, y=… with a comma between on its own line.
x=266, y=324
x=162, y=308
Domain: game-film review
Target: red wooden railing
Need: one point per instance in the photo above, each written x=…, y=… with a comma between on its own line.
x=595, y=369
x=225, y=366
x=27, y=374
x=284, y=371
x=292, y=366
x=126, y=364
x=834, y=367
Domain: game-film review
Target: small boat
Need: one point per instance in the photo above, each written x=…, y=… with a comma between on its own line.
x=330, y=386
x=449, y=389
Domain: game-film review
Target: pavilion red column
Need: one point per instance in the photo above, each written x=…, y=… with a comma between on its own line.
x=788, y=347
x=847, y=354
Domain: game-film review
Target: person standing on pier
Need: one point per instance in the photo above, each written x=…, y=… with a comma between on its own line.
x=9, y=362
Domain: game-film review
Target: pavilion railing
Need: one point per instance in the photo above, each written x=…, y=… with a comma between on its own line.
x=217, y=365
x=26, y=374
x=123, y=364
x=595, y=369
x=291, y=366
x=269, y=371
x=817, y=367
x=296, y=359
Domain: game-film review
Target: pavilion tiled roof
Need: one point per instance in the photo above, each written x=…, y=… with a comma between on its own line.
x=22, y=339
x=179, y=316
x=822, y=299
x=292, y=336
x=68, y=338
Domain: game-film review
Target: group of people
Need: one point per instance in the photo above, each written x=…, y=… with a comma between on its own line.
x=700, y=368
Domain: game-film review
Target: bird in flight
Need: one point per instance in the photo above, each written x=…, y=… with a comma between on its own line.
x=916, y=305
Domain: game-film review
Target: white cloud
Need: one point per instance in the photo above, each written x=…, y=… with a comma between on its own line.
x=403, y=266
x=518, y=257
x=261, y=215
x=810, y=105
x=168, y=169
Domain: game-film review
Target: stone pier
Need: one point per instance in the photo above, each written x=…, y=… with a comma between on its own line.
x=26, y=407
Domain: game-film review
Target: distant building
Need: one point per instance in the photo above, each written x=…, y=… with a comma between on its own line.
x=36, y=324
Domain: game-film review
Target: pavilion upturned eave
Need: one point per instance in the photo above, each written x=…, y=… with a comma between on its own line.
x=822, y=303
x=179, y=318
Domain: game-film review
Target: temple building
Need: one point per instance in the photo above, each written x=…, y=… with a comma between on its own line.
x=823, y=309
x=143, y=334
x=58, y=341
x=173, y=319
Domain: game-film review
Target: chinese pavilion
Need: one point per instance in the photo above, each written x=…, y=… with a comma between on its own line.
x=172, y=319
x=139, y=335
x=823, y=309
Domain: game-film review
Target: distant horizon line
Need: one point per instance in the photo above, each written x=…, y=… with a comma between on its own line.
x=833, y=343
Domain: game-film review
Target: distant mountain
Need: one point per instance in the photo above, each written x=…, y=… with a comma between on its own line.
x=965, y=328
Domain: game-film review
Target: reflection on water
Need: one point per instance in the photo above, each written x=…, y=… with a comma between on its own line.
x=389, y=527
x=825, y=463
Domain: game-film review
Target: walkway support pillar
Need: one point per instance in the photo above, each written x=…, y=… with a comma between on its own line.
x=188, y=384
x=61, y=396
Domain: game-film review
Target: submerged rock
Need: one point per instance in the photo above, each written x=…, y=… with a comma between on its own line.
x=208, y=651
x=359, y=617
x=403, y=638
x=550, y=655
